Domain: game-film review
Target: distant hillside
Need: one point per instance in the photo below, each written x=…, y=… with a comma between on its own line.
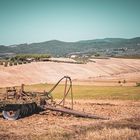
x=106, y=47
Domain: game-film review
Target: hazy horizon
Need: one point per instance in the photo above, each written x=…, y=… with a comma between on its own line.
x=29, y=21
x=67, y=41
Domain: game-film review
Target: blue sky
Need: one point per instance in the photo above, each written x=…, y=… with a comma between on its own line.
x=27, y=21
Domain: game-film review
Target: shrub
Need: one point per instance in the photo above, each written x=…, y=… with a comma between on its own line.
x=124, y=81
x=6, y=64
x=97, y=55
x=15, y=63
x=1, y=63
x=137, y=84
x=20, y=63
x=119, y=82
x=10, y=64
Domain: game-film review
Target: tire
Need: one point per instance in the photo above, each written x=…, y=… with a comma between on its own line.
x=11, y=115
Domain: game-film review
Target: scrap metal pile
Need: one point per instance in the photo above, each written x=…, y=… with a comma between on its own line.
x=15, y=104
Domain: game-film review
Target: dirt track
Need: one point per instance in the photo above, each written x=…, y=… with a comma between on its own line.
x=124, y=122
x=99, y=72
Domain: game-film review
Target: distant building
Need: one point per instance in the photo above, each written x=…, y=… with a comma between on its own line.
x=30, y=59
x=73, y=56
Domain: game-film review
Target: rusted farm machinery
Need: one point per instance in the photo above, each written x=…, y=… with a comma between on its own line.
x=17, y=104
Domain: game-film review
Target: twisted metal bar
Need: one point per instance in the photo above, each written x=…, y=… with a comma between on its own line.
x=67, y=89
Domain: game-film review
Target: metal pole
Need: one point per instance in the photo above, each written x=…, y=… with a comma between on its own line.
x=65, y=89
x=73, y=112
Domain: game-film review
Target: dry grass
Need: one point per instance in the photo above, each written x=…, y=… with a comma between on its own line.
x=111, y=134
x=120, y=104
x=124, y=123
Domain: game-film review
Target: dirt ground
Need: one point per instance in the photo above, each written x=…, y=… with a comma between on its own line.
x=123, y=123
x=99, y=72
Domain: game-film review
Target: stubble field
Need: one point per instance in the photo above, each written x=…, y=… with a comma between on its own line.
x=96, y=90
x=121, y=107
x=100, y=72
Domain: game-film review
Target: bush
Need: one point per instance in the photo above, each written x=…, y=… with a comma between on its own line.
x=124, y=81
x=15, y=63
x=6, y=64
x=10, y=64
x=137, y=84
x=97, y=55
x=119, y=82
x=1, y=63
x=20, y=63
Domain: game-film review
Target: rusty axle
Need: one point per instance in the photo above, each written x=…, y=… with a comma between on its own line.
x=73, y=112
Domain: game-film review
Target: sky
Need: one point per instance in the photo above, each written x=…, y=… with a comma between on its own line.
x=28, y=21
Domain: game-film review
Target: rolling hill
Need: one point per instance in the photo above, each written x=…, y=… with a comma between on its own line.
x=106, y=47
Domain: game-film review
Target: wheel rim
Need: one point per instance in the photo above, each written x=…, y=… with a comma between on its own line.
x=11, y=115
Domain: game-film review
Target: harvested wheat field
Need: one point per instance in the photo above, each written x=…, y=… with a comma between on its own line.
x=99, y=72
x=96, y=90
x=123, y=123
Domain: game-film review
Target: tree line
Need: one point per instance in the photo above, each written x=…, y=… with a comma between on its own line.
x=23, y=59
